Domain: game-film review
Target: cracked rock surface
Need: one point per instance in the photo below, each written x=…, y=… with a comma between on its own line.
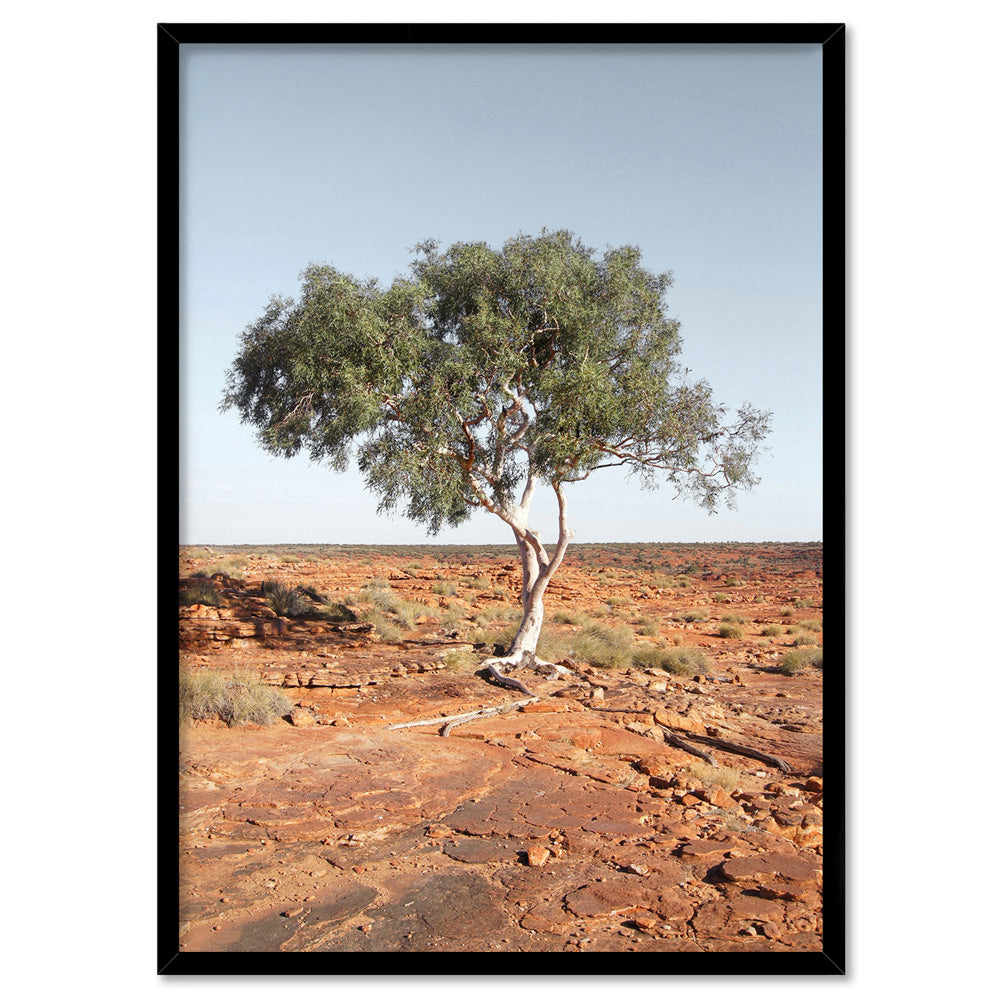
x=570, y=824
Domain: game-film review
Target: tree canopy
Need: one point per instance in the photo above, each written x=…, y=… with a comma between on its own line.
x=484, y=372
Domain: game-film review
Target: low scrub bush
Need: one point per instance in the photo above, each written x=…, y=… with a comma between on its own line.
x=804, y=640
x=730, y=632
x=446, y=588
x=648, y=625
x=384, y=626
x=798, y=660
x=202, y=593
x=453, y=615
x=284, y=600
x=771, y=630
x=691, y=616
x=681, y=660
x=603, y=646
x=460, y=659
x=727, y=778
x=734, y=619
x=334, y=611
x=233, y=698
x=233, y=568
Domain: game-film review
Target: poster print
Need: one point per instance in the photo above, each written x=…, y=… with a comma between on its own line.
x=507, y=399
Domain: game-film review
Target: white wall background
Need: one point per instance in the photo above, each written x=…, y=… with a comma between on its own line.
x=79, y=358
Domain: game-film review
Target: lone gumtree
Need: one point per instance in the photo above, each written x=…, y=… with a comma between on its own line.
x=485, y=375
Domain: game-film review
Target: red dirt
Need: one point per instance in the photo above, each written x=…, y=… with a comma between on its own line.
x=339, y=834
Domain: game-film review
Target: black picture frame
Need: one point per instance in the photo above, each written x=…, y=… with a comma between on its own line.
x=832, y=37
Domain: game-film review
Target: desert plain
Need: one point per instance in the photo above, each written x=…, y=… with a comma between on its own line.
x=662, y=792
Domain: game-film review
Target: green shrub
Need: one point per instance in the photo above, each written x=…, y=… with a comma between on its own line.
x=681, y=660
x=771, y=630
x=685, y=661
x=730, y=632
x=798, y=660
x=735, y=619
x=233, y=698
x=648, y=625
x=460, y=659
x=202, y=593
x=691, y=616
x=386, y=628
x=603, y=646
x=233, y=568
x=804, y=640
x=284, y=600
x=334, y=611
x=446, y=588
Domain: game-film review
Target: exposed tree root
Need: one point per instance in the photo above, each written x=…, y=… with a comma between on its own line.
x=510, y=682
x=515, y=661
x=743, y=751
x=518, y=661
x=448, y=722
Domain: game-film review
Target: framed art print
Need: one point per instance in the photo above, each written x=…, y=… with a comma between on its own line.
x=502, y=381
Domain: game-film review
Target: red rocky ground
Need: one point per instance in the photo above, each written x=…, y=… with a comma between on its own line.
x=569, y=824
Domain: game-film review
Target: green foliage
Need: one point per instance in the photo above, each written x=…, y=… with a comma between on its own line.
x=285, y=600
x=460, y=660
x=797, y=660
x=601, y=645
x=233, y=698
x=691, y=616
x=648, y=625
x=233, y=567
x=681, y=660
x=384, y=625
x=771, y=630
x=485, y=367
x=730, y=631
x=202, y=593
x=569, y=617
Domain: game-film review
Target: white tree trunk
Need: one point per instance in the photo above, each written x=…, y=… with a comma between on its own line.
x=537, y=569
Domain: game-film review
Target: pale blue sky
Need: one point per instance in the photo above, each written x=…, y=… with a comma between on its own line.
x=706, y=157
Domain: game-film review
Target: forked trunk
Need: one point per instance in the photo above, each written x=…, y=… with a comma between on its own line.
x=537, y=569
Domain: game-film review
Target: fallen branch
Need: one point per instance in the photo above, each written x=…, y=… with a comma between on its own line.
x=447, y=722
x=743, y=751
x=673, y=739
